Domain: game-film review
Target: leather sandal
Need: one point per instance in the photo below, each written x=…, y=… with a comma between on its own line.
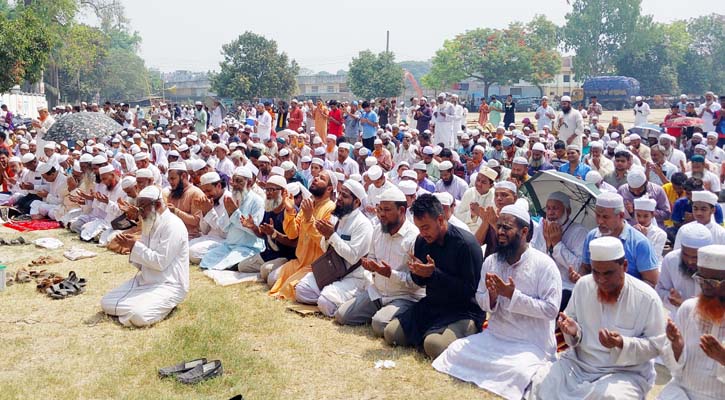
x=201, y=373
x=22, y=276
x=180, y=368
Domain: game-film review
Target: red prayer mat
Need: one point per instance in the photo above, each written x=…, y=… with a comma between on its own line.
x=33, y=225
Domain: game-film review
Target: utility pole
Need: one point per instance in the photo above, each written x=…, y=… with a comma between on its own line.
x=387, y=41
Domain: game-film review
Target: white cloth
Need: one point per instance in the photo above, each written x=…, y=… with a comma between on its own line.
x=571, y=128
x=678, y=158
x=453, y=220
x=375, y=192
x=457, y=188
x=444, y=130
x=588, y=370
x=394, y=250
x=718, y=234
x=408, y=155
x=545, y=116
x=695, y=376
x=162, y=282
x=463, y=209
x=348, y=167
x=225, y=166
x=520, y=334
x=641, y=114
x=264, y=126
x=671, y=277
x=708, y=118
x=715, y=155
x=216, y=117
x=566, y=253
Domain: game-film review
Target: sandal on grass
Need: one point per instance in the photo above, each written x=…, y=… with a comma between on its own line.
x=22, y=276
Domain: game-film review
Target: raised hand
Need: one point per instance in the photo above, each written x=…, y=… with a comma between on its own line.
x=306, y=208
x=567, y=324
x=675, y=298
x=502, y=288
x=326, y=228
x=247, y=222
x=267, y=228
x=610, y=339
x=675, y=337
x=573, y=274
x=230, y=205
x=713, y=348
x=204, y=204
x=421, y=269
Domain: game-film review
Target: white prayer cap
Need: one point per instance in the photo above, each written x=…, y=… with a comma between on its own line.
x=561, y=197
x=517, y=211
x=140, y=156
x=294, y=188
x=505, y=185
x=331, y=137
x=612, y=144
x=220, y=146
x=538, y=147
x=393, y=194
x=375, y=172
x=127, y=182
x=340, y=176
x=409, y=173
x=610, y=200
x=27, y=157
x=667, y=137
x=356, y=177
x=137, y=136
x=43, y=168
x=76, y=166
x=377, y=141
x=24, y=146
x=697, y=134
x=277, y=180
x=177, y=166
x=712, y=257
x=276, y=171
x=319, y=162
x=488, y=173
x=210, y=177
x=150, y=192
x=445, y=165
x=441, y=94
x=283, y=152
x=184, y=147
x=427, y=150
x=444, y=197
x=565, y=98
x=362, y=151
x=371, y=161
x=49, y=145
x=594, y=134
x=694, y=236
x=574, y=147
x=288, y=165
x=704, y=196
x=701, y=146
x=420, y=165
x=106, y=169
x=638, y=98
x=606, y=248
x=42, y=107
x=437, y=150
x=144, y=173
x=305, y=159
x=645, y=204
x=173, y=153
x=263, y=158
x=596, y=145
x=615, y=134
x=316, y=140
x=521, y=160
x=35, y=142
x=14, y=159
x=408, y=188
x=320, y=151
x=634, y=136
x=492, y=163
x=712, y=134
x=357, y=189
x=243, y=172
x=333, y=180
x=636, y=178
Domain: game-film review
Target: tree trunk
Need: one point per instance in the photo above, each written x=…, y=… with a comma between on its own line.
x=486, y=85
x=541, y=91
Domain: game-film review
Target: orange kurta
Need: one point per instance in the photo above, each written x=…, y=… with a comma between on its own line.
x=308, y=248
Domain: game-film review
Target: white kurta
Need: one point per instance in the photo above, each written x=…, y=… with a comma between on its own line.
x=162, y=282
x=672, y=278
x=566, y=253
x=520, y=334
x=718, y=234
x=657, y=238
x=463, y=209
x=588, y=370
x=695, y=376
x=571, y=127
x=212, y=231
x=57, y=191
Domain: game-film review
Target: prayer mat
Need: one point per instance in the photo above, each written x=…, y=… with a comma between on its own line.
x=33, y=225
x=304, y=309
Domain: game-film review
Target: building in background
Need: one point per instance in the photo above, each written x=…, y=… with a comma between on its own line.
x=323, y=86
x=186, y=86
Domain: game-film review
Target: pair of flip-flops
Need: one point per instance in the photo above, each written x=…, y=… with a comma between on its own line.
x=13, y=242
x=195, y=371
x=70, y=286
x=44, y=260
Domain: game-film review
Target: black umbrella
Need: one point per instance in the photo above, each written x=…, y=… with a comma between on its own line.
x=81, y=126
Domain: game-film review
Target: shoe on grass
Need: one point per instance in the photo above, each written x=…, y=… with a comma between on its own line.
x=202, y=372
x=180, y=368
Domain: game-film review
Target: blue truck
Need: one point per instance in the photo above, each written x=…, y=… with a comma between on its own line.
x=613, y=92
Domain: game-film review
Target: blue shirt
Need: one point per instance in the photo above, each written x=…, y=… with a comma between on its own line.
x=369, y=131
x=580, y=172
x=637, y=250
x=684, y=205
x=427, y=185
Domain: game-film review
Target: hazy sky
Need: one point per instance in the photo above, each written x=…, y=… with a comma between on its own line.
x=325, y=35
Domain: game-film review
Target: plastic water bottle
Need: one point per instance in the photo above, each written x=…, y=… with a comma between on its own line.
x=3, y=271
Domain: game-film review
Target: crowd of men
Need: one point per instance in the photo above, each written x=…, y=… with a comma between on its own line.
x=419, y=225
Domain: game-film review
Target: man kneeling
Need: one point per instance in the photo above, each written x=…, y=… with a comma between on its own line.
x=162, y=258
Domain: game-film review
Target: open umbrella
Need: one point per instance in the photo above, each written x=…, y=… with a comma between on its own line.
x=582, y=195
x=683, y=122
x=646, y=129
x=81, y=126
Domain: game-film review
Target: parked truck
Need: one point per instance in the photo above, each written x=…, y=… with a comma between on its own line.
x=613, y=92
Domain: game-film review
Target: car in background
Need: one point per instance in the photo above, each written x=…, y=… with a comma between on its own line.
x=525, y=104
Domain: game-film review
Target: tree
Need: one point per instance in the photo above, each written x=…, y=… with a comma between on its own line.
x=372, y=76
x=542, y=37
x=596, y=30
x=253, y=67
x=24, y=48
x=79, y=55
x=703, y=70
x=446, y=68
x=124, y=75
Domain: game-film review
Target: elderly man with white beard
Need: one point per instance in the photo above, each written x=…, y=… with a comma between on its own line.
x=212, y=207
x=90, y=226
x=614, y=326
x=477, y=198
x=162, y=259
x=695, y=353
x=240, y=242
x=562, y=239
x=521, y=290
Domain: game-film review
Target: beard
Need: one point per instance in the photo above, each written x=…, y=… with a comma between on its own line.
x=504, y=252
x=87, y=179
x=341, y=211
x=685, y=270
x=565, y=109
x=711, y=309
x=272, y=204
x=536, y=163
x=148, y=223
x=390, y=226
x=239, y=195
x=317, y=191
x=177, y=191
x=447, y=183
x=608, y=298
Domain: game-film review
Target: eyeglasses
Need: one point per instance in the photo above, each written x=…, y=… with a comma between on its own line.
x=709, y=283
x=272, y=189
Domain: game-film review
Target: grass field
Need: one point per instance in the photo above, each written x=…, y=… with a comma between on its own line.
x=67, y=349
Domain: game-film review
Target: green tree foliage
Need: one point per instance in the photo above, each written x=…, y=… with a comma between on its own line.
x=542, y=37
x=596, y=30
x=253, y=67
x=24, y=48
x=446, y=67
x=81, y=53
x=703, y=65
x=374, y=75
x=124, y=74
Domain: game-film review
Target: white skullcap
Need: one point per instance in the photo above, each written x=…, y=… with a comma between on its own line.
x=293, y=188
x=319, y=151
x=517, y=211
x=704, y=196
x=106, y=169
x=362, y=151
x=409, y=173
x=140, y=156
x=277, y=180
x=305, y=159
x=505, y=185
x=393, y=194
x=24, y=146
x=538, y=147
x=220, y=146
x=283, y=152
x=49, y=145
x=521, y=160
x=27, y=157
x=712, y=257
x=173, y=153
x=574, y=147
x=371, y=161
x=606, y=248
x=331, y=137
x=288, y=165
x=210, y=177
x=318, y=161
x=375, y=172
x=340, y=176
x=420, y=165
x=597, y=145
x=177, y=166
x=437, y=150
x=478, y=147
x=444, y=197
x=634, y=136
x=638, y=98
x=184, y=147
x=357, y=189
x=316, y=140
x=150, y=192
x=636, y=178
x=445, y=166
x=408, y=188
x=701, y=147
x=14, y=159
x=561, y=197
x=144, y=173
x=43, y=168
x=488, y=173
x=243, y=172
x=492, y=163
x=127, y=182
x=263, y=158
x=694, y=235
x=377, y=141
x=427, y=150
x=197, y=164
x=697, y=134
x=645, y=204
x=356, y=177
x=610, y=200
x=276, y=171
x=612, y=144
x=566, y=98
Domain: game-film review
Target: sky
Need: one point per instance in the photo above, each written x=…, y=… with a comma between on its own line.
x=325, y=35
